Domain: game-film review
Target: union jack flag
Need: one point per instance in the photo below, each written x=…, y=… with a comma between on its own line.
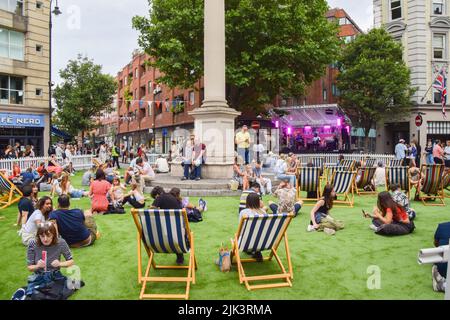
x=440, y=84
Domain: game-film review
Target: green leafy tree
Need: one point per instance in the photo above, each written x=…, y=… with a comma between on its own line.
x=83, y=96
x=374, y=81
x=272, y=46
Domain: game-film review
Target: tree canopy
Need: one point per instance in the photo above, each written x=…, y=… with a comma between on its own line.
x=272, y=46
x=374, y=81
x=84, y=94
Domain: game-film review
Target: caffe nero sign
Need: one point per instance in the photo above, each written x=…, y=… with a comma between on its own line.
x=18, y=120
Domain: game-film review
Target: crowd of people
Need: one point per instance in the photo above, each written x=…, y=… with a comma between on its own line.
x=435, y=152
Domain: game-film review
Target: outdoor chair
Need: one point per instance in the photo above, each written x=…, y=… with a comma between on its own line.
x=398, y=175
x=395, y=163
x=9, y=193
x=432, y=186
x=258, y=233
x=366, y=179
x=317, y=162
x=329, y=171
x=308, y=180
x=446, y=183
x=349, y=165
x=164, y=232
x=370, y=163
x=342, y=183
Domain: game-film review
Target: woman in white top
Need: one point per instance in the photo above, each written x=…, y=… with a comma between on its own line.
x=135, y=197
x=29, y=229
x=102, y=153
x=380, y=175
x=253, y=207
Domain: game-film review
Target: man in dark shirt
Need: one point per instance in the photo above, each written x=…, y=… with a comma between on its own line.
x=165, y=200
x=439, y=270
x=26, y=207
x=74, y=226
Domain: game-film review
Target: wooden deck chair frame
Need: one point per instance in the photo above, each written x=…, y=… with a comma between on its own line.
x=348, y=164
x=299, y=186
x=286, y=276
x=366, y=178
x=349, y=195
x=96, y=163
x=9, y=193
x=438, y=185
x=406, y=185
x=446, y=183
x=145, y=279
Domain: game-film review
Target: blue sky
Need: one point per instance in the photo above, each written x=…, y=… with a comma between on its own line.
x=101, y=29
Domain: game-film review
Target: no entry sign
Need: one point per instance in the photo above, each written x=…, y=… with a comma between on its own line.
x=419, y=120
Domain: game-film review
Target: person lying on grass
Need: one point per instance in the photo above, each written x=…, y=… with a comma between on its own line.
x=66, y=187
x=253, y=205
x=41, y=214
x=389, y=218
x=402, y=200
x=320, y=214
x=76, y=227
x=163, y=200
x=286, y=195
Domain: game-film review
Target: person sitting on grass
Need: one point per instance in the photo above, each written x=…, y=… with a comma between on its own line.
x=25, y=206
x=44, y=258
x=98, y=193
x=265, y=183
x=88, y=176
x=135, y=198
x=76, y=227
x=320, y=214
x=253, y=206
x=163, y=200
x=176, y=192
x=67, y=188
x=117, y=192
x=402, y=200
x=380, y=175
x=286, y=195
x=415, y=178
x=41, y=214
x=254, y=188
x=389, y=218
x=34, y=194
x=439, y=270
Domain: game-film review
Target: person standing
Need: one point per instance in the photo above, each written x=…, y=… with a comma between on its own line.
x=102, y=153
x=243, y=143
x=438, y=153
x=447, y=154
x=197, y=158
x=188, y=152
x=429, y=152
x=115, y=153
x=400, y=150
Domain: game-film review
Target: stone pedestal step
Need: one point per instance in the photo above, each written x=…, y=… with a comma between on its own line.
x=200, y=192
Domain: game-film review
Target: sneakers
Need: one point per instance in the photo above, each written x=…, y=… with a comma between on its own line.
x=373, y=227
x=184, y=178
x=438, y=280
x=197, y=179
x=310, y=228
x=180, y=259
x=329, y=231
x=19, y=294
x=202, y=205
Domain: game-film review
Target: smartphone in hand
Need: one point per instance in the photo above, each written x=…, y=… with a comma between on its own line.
x=366, y=215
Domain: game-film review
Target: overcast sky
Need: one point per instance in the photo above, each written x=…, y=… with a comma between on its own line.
x=101, y=29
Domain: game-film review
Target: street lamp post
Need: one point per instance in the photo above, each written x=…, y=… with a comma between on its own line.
x=56, y=12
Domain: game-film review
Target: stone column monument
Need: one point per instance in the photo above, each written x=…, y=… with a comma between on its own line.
x=214, y=120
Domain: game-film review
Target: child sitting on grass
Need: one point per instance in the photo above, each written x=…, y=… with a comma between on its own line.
x=402, y=200
x=117, y=192
x=320, y=218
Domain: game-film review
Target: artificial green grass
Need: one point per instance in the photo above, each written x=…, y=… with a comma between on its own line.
x=325, y=267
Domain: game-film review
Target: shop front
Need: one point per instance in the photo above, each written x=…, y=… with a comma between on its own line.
x=26, y=129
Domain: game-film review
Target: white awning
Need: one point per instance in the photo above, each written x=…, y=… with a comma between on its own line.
x=314, y=115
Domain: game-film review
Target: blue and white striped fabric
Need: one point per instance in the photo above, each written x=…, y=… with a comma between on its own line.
x=332, y=169
x=398, y=175
x=317, y=162
x=164, y=231
x=342, y=181
x=348, y=164
x=370, y=162
x=395, y=163
x=5, y=186
x=262, y=231
x=309, y=179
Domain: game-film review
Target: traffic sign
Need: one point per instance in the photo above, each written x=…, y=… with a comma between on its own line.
x=255, y=125
x=419, y=120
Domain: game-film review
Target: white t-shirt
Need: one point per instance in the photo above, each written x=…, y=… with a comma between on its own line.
x=68, y=155
x=147, y=168
x=162, y=165
x=30, y=226
x=447, y=151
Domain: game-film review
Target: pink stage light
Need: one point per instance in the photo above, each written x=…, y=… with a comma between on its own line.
x=339, y=122
x=277, y=124
x=327, y=127
x=289, y=131
x=307, y=128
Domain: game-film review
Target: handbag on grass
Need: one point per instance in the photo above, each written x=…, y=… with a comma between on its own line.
x=224, y=260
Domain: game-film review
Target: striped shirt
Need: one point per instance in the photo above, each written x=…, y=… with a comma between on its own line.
x=54, y=252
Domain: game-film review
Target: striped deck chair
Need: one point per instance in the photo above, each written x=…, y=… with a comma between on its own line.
x=317, y=162
x=308, y=180
x=446, y=183
x=370, y=163
x=400, y=176
x=329, y=171
x=349, y=165
x=395, y=163
x=258, y=233
x=367, y=174
x=342, y=183
x=433, y=184
x=164, y=231
x=9, y=193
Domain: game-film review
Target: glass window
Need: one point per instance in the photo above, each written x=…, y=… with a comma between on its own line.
x=342, y=21
x=191, y=98
x=11, y=90
x=396, y=9
x=437, y=97
x=136, y=73
x=149, y=88
x=14, y=6
x=325, y=96
x=438, y=7
x=438, y=46
x=12, y=44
